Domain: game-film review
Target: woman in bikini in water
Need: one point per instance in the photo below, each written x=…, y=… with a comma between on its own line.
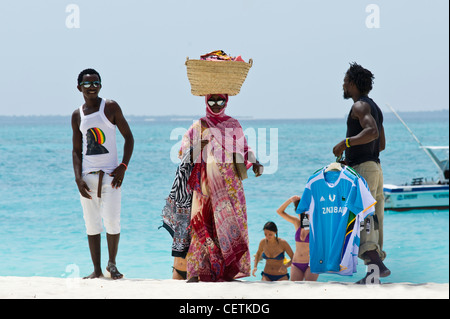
x=272, y=249
x=300, y=270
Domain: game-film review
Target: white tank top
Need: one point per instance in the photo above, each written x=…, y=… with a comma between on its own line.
x=99, y=141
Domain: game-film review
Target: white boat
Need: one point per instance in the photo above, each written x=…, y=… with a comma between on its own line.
x=420, y=193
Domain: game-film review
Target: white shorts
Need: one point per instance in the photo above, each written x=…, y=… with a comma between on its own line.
x=107, y=207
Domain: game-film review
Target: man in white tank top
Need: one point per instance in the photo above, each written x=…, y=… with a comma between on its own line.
x=98, y=174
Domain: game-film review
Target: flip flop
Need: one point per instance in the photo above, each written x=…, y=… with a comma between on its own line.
x=112, y=269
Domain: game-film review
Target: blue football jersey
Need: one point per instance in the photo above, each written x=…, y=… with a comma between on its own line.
x=336, y=202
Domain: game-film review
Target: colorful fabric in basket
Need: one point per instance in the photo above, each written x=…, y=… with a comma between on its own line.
x=220, y=55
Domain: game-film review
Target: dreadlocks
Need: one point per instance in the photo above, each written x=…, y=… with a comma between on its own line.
x=362, y=78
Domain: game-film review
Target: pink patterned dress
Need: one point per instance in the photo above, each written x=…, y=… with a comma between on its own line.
x=219, y=248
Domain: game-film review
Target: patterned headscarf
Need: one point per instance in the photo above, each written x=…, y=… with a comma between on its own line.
x=230, y=135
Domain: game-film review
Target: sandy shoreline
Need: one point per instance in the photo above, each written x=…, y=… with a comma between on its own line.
x=77, y=288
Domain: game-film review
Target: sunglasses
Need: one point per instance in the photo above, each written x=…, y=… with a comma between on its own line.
x=218, y=102
x=89, y=84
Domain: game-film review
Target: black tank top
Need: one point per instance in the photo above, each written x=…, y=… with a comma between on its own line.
x=367, y=152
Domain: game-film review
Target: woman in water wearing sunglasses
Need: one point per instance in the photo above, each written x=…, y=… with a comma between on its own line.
x=218, y=247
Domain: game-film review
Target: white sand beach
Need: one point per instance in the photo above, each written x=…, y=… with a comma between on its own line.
x=105, y=288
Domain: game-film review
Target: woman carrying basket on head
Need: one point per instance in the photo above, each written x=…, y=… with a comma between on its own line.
x=219, y=248
x=206, y=210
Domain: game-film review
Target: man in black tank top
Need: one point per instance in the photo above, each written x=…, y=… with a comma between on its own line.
x=363, y=143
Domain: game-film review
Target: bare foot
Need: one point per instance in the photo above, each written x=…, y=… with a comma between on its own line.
x=193, y=279
x=94, y=275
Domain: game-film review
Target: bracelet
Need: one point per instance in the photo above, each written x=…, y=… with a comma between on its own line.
x=126, y=167
x=347, y=142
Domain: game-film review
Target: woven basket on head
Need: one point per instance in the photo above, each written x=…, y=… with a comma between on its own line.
x=215, y=77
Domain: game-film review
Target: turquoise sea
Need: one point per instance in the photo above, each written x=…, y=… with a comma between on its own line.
x=42, y=230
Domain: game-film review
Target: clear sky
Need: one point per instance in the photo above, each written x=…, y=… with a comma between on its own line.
x=301, y=50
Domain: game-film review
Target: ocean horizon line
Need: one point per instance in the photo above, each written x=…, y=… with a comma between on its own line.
x=174, y=117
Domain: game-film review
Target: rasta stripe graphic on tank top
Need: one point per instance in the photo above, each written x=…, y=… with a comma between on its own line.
x=98, y=135
x=95, y=138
